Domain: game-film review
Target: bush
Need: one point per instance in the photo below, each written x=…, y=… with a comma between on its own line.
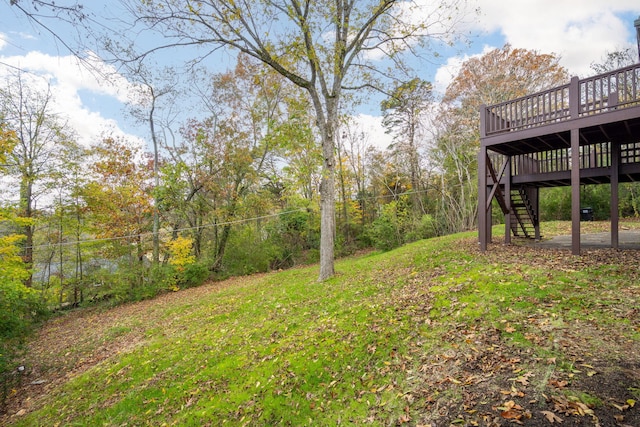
x=295, y=237
x=383, y=234
x=425, y=228
x=20, y=308
x=193, y=275
x=397, y=225
x=248, y=251
x=387, y=231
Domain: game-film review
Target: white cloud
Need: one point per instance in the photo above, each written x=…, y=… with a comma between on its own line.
x=67, y=76
x=3, y=41
x=375, y=134
x=26, y=36
x=447, y=72
x=579, y=31
x=93, y=74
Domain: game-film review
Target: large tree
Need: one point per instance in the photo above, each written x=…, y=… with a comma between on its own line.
x=323, y=47
x=25, y=105
x=404, y=117
x=500, y=75
x=119, y=199
x=497, y=76
x=156, y=94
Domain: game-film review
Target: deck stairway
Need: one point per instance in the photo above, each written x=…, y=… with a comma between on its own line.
x=524, y=214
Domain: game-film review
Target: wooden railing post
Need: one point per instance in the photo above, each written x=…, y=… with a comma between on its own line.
x=574, y=98
x=483, y=121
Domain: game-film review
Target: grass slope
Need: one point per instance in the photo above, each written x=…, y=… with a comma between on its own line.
x=434, y=333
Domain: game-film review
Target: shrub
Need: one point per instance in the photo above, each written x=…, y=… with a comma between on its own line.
x=20, y=307
x=193, y=275
x=386, y=232
x=249, y=251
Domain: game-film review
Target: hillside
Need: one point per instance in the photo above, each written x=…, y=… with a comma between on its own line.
x=434, y=333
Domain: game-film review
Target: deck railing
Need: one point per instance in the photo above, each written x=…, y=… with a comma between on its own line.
x=591, y=156
x=582, y=97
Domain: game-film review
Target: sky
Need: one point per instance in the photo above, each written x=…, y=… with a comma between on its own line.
x=580, y=32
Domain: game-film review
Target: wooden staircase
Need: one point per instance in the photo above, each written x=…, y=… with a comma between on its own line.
x=524, y=214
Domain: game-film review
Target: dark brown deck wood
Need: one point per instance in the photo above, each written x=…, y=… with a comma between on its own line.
x=583, y=132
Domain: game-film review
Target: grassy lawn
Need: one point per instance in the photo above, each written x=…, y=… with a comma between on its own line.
x=434, y=333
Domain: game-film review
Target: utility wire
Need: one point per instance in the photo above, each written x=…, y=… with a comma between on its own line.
x=220, y=224
x=131, y=236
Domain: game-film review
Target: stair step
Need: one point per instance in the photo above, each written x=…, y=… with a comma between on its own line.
x=522, y=210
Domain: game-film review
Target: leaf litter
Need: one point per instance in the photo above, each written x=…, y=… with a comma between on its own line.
x=577, y=372
x=572, y=369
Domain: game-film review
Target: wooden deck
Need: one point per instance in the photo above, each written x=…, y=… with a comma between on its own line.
x=584, y=132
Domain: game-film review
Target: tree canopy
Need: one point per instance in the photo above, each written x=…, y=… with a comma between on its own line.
x=322, y=47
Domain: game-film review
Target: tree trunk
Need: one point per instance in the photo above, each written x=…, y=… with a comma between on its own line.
x=217, y=265
x=26, y=200
x=156, y=182
x=327, y=206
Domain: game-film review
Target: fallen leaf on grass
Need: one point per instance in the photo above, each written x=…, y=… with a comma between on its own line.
x=621, y=407
x=551, y=417
x=523, y=379
x=513, y=392
x=453, y=380
x=404, y=419
x=571, y=407
x=512, y=411
x=511, y=414
x=507, y=406
x=581, y=408
x=558, y=383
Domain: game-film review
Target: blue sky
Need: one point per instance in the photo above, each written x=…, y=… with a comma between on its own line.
x=579, y=31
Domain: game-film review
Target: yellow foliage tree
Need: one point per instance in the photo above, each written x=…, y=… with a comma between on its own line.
x=180, y=252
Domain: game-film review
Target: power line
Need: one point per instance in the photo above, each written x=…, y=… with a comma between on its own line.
x=220, y=224
x=146, y=234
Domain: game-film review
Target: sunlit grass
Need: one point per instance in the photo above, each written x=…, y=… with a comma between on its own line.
x=283, y=349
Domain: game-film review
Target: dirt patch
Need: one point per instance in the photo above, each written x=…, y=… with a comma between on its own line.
x=484, y=380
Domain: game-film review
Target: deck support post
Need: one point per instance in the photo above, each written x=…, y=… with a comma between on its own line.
x=536, y=225
x=507, y=199
x=615, y=177
x=482, y=198
x=575, y=191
